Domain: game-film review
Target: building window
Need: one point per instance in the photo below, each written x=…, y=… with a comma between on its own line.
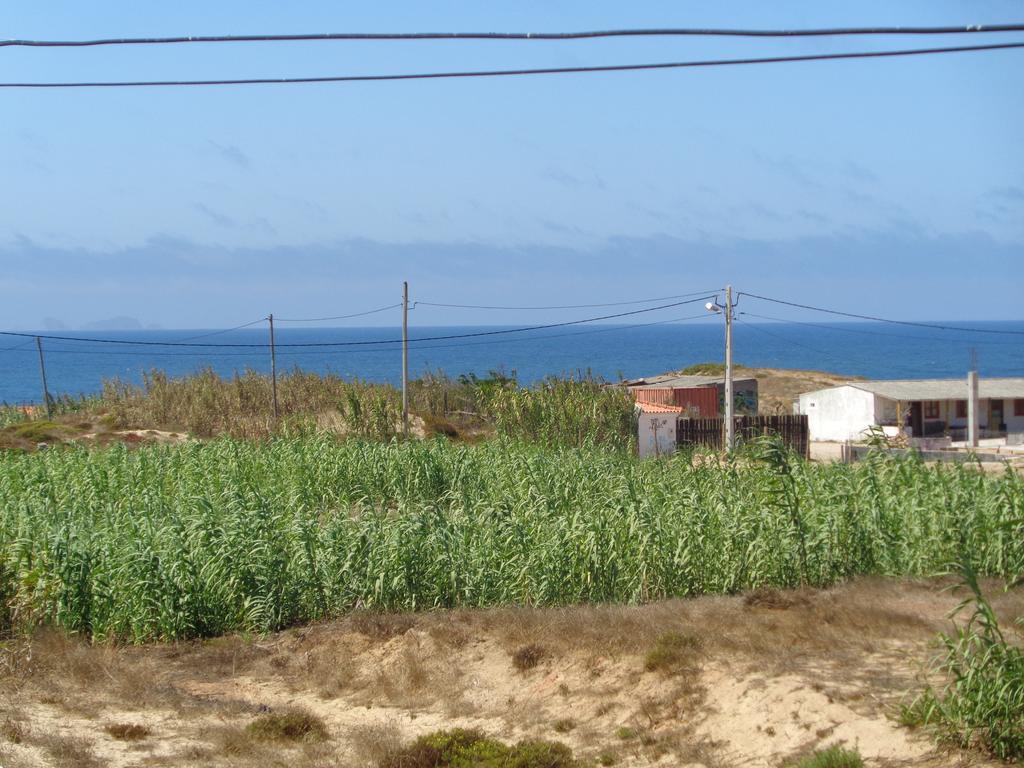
x=961, y=409
x=931, y=409
x=1018, y=407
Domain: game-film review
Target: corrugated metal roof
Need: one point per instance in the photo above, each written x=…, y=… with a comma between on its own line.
x=673, y=381
x=942, y=389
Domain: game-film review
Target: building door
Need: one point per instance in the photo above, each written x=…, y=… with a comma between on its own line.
x=995, y=416
x=916, y=419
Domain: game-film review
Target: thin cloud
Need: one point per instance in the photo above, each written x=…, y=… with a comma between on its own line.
x=232, y=154
x=1010, y=192
x=214, y=216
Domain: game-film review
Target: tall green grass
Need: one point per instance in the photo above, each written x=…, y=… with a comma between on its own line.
x=982, y=701
x=203, y=538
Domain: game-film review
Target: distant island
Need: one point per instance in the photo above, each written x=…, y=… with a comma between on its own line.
x=119, y=323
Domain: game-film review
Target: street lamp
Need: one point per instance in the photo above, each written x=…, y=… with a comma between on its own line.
x=730, y=422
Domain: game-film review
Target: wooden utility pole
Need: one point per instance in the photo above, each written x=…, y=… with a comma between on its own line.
x=42, y=373
x=405, y=359
x=730, y=416
x=273, y=366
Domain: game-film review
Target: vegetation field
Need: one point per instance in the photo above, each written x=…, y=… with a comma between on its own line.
x=201, y=538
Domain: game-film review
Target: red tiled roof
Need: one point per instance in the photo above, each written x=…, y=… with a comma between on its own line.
x=658, y=408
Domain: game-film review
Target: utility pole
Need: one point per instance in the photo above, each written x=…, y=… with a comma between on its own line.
x=730, y=417
x=42, y=373
x=273, y=365
x=972, y=402
x=405, y=359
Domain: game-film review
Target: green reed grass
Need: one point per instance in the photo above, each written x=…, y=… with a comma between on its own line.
x=557, y=411
x=203, y=538
x=982, y=701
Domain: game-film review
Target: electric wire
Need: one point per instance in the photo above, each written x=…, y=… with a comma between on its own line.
x=760, y=329
x=568, y=306
x=336, y=317
x=225, y=330
x=517, y=72
x=390, y=350
x=357, y=343
x=882, y=319
x=530, y=36
x=517, y=339
x=836, y=327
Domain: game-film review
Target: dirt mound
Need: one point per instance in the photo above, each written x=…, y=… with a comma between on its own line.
x=751, y=680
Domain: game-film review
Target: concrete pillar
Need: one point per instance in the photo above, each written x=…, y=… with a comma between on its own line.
x=972, y=409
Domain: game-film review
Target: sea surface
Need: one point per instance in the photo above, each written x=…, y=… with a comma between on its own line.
x=874, y=350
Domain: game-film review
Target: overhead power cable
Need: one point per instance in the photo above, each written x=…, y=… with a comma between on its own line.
x=884, y=334
x=568, y=306
x=874, y=318
x=761, y=329
x=611, y=329
x=336, y=317
x=539, y=36
x=225, y=330
x=357, y=343
x=390, y=350
x=514, y=72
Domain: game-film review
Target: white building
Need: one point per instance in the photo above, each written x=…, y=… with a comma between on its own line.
x=919, y=408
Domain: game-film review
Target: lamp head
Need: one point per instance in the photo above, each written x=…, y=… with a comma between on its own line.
x=712, y=307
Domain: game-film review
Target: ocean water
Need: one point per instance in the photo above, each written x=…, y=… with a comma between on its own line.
x=874, y=350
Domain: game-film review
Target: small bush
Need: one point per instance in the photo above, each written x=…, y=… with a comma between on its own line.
x=833, y=757
x=12, y=730
x=528, y=657
x=438, y=426
x=293, y=725
x=672, y=652
x=127, y=731
x=461, y=748
x=564, y=725
x=626, y=733
x=38, y=431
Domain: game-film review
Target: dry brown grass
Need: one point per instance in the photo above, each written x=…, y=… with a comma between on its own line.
x=375, y=680
x=375, y=743
x=65, y=751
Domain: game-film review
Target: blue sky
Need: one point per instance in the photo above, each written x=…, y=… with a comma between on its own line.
x=888, y=186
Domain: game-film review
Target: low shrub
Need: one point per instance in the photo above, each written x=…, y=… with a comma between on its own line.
x=833, y=757
x=672, y=652
x=127, y=731
x=528, y=657
x=460, y=748
x=291, y=725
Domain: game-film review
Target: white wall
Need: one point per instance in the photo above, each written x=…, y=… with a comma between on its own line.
x=1013, y=423
x=656, y=433
x=839, y=413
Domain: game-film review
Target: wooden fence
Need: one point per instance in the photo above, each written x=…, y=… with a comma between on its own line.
x=710, y=433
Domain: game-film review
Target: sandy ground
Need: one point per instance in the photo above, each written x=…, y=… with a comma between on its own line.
x=757, y=679
x=777, y=388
